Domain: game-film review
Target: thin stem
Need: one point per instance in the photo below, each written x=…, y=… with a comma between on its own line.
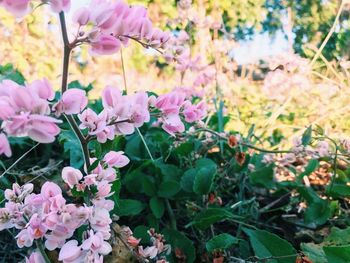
x=41, y=248
x=83, y=141
x=18, y=160
x=126, y=90
x=65, y=70
x=66, y=54
x=145, y=45
x=124, y=74
x=144, y=142
x=330, y=33
x=243, y=143
x=171, y=214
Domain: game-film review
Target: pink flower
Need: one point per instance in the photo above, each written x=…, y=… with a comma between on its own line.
x=5, y=145
x=173, y=124
x=5, y=219
x=70, y=252
x=96, y=243
x=323, y=149
x=50, y=189
x=43, y=128
x=104, y=189
x=36, y=228
x=35, y=257
x=71, y=176
x=132, y=241
x=82, y=16
x=194, y=113
x=43, y=89
x=171, y=102
x=73, y=101
x=148, y=252
x=100, y=221
x=6, y=109
x=116, y=159
x=105, y=45
x=60, y=5
x=17, y=7
x=24, y=239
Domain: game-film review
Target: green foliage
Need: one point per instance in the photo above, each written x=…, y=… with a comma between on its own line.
x=221, y=242
x=210, y=216
x=8, y=72
x=268, y=245
x=128, y=207
x=72, y=148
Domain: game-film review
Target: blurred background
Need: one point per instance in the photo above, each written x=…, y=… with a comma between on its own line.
x=255, y=56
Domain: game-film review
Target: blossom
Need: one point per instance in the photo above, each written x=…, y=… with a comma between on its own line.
x=323, y=149
x=17, y=7
x=70, y=252
x=96, y=243
x=60, y=5
x=35, y=257
x=25, y=110
x=114, y=24
x=71, y=176
x=5, y=145
x=116, y=159
x=73, y=101
x=173, y=124
x=194, y=113
x=82, y=16
x=50, y=189
x=105, y=45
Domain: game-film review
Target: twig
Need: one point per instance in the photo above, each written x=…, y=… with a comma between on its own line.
x=330, y=33
x=18, y=160
x=41, y=248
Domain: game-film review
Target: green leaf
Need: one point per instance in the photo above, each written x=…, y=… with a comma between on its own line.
x=312, y=165
x=72, y=147
x=142, y=232
x=148, y=186
x=179, y=241
x=203, y=180
x=168, y=189
x=184, y=149
x=266, y=244
x=8, y=72
x=339, y=254
x=77, y=85
x=187, y=180
x=129, y=207
x=222, y=241
x=263, y=177
x=210, y=216
x=314, y=252
x=318, y=212
x=205, y=162
x=157, y=207
x=338, y=190
x=338, y=237
x=94, y=165
x=307, y=136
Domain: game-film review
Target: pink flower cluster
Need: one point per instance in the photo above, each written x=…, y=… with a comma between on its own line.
x=48, y=215
x=174, y=105
x=289, y=73
x=156, y=251
x=22, y=7
x=24, y=111
x=114, y=24
x=123, y=113
x=179, y=51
